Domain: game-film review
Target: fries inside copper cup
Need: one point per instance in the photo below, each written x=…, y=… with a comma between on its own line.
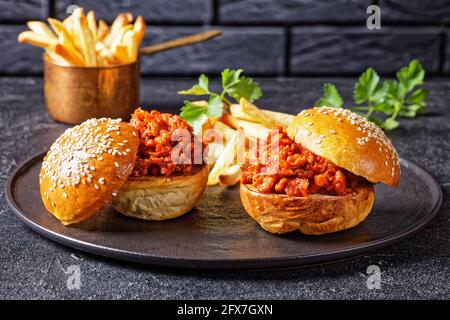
x=79, y=40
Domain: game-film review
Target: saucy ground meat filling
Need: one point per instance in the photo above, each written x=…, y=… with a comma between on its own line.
x=159, y=134
x=299, y=172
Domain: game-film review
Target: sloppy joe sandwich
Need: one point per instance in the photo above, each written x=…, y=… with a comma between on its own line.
x=133, y=166
x=166, y=181
x=318, y=175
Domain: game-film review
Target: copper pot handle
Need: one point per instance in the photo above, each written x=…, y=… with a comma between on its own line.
x=180, y=42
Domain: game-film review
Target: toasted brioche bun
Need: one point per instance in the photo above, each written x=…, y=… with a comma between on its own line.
x=161, y=197
x=315, y=214
x=349, y=141
x=85, y=168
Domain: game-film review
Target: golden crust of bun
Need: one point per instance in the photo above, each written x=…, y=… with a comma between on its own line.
x=161, y=197
x=85, y=168
x=349, y=141
x=314, y=215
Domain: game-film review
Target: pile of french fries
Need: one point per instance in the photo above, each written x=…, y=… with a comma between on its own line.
x=79, y=40
x=239, y=129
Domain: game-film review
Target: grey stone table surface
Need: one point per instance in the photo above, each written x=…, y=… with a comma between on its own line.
x=33, y=267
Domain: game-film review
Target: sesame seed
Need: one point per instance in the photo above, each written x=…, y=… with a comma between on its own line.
x=333, y=131
x=101, y=180
x=96, y=186
x=319, y=141
x=134, y=133
x=310, y=123
x=100, y=158
x=65, y=195
x=92, y=168
x=53, y=204
x=127, y=150
x=114, y=194
x=116, y=164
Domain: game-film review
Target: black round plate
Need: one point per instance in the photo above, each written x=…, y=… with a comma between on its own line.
x=218, y=233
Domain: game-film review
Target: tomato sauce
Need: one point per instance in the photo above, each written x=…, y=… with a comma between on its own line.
x=299, y=172
x=159, y=134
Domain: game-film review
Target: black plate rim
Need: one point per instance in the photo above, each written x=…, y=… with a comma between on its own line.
x=222, y=264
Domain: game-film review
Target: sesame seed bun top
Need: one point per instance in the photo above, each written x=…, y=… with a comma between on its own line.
x=349, y=141
x=85, y=168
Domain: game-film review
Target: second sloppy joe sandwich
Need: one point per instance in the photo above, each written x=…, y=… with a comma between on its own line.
x=327, y=162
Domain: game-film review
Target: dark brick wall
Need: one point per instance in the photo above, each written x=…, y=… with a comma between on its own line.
x=265, y=37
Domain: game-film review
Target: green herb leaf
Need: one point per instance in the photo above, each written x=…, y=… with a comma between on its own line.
x=390, y=124
x=191, y=111
x=215, y=106
x=230, y=77
x=234, y=85
x=245, y=87
x=411, y=75
x=418, y=97
x=194, y=114
x=199, y=89
x=331, y=97
x=382, y=102
x=368, y=88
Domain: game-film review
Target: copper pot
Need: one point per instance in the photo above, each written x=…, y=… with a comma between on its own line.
x=74, y=94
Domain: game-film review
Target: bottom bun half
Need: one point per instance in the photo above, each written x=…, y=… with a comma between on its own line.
x=313, y=215
x=162, y=197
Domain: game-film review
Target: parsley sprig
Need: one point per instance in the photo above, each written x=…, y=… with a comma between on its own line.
x=383, y=102
x=234, y=87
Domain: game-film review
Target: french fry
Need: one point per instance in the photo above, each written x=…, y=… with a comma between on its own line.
x=232, y=149
x=131, y=42
x=92, y=24
x=84, y=38
x=106, y=54
x=118, y=38
x=37, y=40
x=120, y=52
x=229, y=176
x=121, y=20
x=102, y=30
x=64, y=36
x=255, y=113
x=40, y=28
x=281, y=118
x=139, y=27
x=214, y=150
x=57, y=58
x=67, y=49
x=278, y=118
x=224, y=130
x=252, y=129
x=68, y=24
